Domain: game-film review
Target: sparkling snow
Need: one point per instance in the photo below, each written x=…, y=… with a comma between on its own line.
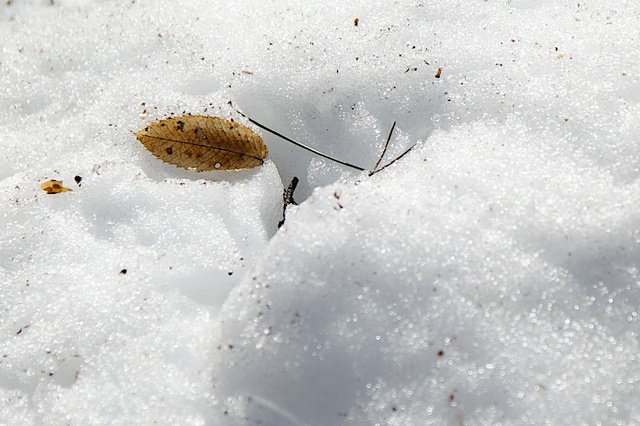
x=490, y=276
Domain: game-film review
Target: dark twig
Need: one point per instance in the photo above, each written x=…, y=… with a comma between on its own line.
x=392, y=161
x=280, y=135
x=287, y=199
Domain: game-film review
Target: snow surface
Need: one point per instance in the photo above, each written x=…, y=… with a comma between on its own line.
x=491, y=276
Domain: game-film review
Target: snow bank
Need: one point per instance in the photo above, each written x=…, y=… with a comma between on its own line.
x=480, y=280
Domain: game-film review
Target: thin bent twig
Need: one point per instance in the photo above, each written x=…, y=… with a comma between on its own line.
x=392, y=161
x=344, y=163
x=384, y=150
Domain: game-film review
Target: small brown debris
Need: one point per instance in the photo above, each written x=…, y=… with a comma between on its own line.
x=53, y=187
x=438, y=73
x=355, y=22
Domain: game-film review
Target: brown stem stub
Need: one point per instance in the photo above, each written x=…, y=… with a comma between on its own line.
x=287, y=199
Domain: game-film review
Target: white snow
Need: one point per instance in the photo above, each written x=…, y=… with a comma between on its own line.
x=491, y=276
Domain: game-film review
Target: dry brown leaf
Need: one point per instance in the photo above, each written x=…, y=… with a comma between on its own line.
x=204, y=143
x=53, y=187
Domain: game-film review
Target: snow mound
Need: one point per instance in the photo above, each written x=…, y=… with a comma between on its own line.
x=480, y=280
